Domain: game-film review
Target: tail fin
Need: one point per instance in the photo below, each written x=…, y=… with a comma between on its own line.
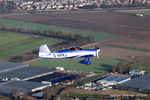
x=43, y=50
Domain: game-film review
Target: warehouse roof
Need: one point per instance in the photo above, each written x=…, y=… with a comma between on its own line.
x=142, y=82
x=6, y=88
x=26, y=72
x=114, y=78
x=7, y=91
x=55, y=77
x=7, y=66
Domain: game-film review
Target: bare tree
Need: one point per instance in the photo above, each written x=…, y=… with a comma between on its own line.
x=47, y=93
x=121, y=68
x=26, y=96
x=15, y=94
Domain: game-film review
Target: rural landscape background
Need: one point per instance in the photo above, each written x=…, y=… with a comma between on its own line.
x=121, y=34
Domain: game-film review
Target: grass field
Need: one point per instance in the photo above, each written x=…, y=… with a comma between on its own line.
x=144, y=65
x=82, y=93
x=98, y=35
x=13, y=43
x=142, y=11
x=82, y=96
x=127, y=47
x=98, y=65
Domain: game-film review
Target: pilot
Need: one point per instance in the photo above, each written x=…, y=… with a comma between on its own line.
x=72, y=49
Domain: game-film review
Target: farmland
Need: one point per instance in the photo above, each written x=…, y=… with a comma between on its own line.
x=13, y=43
x=34, y=26
x=132, y=34
x=85, y=93
x=134, y=31
x=124, y=53
x=109, y=22
x=98, y=65
x=141, y=11
x=144, y=65
x=127, y=47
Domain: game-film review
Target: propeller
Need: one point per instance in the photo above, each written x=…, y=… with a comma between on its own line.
x=97, y=47
x=98, y=50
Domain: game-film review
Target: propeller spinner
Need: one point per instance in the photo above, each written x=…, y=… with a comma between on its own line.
x=98, y=50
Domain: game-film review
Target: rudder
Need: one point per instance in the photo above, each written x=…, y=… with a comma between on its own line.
x=43, y=49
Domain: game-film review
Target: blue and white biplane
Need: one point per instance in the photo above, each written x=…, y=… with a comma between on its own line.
x=72, y=52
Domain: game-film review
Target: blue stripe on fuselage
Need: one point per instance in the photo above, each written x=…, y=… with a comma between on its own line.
x=81, y=56
x=68, y=50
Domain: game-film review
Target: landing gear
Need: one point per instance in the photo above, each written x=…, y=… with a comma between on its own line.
x=85, y=62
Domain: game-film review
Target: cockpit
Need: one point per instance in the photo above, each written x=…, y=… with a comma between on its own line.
x=75, y=48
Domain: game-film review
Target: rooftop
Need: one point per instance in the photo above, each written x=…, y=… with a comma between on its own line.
x=7, y=66
x=114, y=78
x=25, y=73
x=141, y=82
x=12, y=70
x=6, y=88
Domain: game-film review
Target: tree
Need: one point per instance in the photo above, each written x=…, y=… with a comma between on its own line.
x=8, y=7
x=2, y=24
x=37, y=32
x=15, y=94
x=11, y=6
x=121, y=68
x=88, y=6
x=47, y=94
x=114, y=69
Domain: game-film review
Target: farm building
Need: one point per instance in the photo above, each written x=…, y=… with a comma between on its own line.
x=136, y=73
x=27, y=78
x=141, y=83
x=21, y=87
x=54, y=78
x=7, y=66
x=140, y=15
x=15, y=76
x=17, y=71
x=114, y=80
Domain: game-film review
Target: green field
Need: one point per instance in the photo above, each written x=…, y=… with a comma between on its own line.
x=13, y=43
x=82, y=96
x=100, y=36
x=127, y=47
x=144, y=65
x=142, y=11
x=21, y=42
x=98, y=65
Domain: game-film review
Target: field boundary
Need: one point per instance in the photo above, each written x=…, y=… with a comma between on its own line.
x=128, y=47
x=134, y=11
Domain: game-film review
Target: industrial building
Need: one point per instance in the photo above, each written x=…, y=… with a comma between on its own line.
x=141, y=83
x=113, y=80
x=135, y=73
x=17, y=71
x=54, y=78
x=7, y=66
x=27, y=78
x=106, y=83
x=22, y=87
x=15, y=76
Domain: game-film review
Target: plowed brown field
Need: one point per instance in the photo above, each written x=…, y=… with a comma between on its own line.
x=136, y=30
